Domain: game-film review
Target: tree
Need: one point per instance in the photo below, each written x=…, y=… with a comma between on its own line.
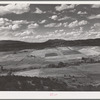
x=1, y=68
x=51, y=66
x=61, y=64
x=10, y=73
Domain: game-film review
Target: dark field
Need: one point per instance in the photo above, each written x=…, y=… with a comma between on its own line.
x=19, y=83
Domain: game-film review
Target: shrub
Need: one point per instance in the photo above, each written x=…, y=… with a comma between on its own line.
x=51, y=66
x=61, y=64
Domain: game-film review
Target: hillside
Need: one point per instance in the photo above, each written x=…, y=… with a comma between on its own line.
x=20, y=83
x=9, y=45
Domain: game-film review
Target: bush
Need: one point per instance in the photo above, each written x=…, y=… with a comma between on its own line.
x=61, y=64
x=51, y=66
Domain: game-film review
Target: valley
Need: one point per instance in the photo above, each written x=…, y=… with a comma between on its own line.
x=73, y=65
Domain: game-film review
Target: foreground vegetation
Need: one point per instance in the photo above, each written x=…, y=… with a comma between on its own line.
x=19, y=83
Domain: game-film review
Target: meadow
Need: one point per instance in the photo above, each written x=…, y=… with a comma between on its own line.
x=34, y=63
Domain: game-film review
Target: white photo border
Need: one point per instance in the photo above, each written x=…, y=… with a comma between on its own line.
x=50, y=95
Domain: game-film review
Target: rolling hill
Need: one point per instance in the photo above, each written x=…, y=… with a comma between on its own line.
x=9, y=45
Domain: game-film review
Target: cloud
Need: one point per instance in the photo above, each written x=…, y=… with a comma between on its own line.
x=49, y=35
x=95, y=27
x=14, y=8
x=96, y=6
x=76, y=23
x=20, y=22
x=62, y=34
x=25, y=35
x=15, y=27
x=27, y=32
x=65, y=24
x=17, y=24
x=83, y=22
x=50, y=25
x=64, y=18
x=92, y=34
x=73, y=24
x=73, y=10
x=73, y=34
x=62, y=21
x=58, y=25
x=64, y=6
x=81, y=13
x=6, y=24
x=42, y=22
x=94, y=16
x=38, y=11
x=35, y=25
x=18, y=29
x=54, y=17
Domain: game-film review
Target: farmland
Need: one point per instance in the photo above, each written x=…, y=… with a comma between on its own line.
x=79, y=66
x=40, y=58
x=82, y=75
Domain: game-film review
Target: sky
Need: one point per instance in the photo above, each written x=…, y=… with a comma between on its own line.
x=41, y=22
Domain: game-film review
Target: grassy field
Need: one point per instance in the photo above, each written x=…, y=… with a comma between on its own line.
x=26, y=59
x=31, y=73
x=77, y=71
x=74, y=75
x=90, y=68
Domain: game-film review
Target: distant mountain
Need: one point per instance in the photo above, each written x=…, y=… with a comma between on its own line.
x=87, y=42
x=9, y=45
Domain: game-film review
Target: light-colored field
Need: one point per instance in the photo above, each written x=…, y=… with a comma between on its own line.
x=52, y=72
x=83, y=74
x=89, y=51
x=31, y=73
x=60, y=72
x=36, y=58
x=86, y=73
x=77, y=71
x=90, y=68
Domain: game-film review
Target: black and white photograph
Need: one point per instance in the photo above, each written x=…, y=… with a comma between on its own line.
x=49, y=47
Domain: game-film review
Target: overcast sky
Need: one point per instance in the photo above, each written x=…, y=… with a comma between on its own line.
x=36, y=23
